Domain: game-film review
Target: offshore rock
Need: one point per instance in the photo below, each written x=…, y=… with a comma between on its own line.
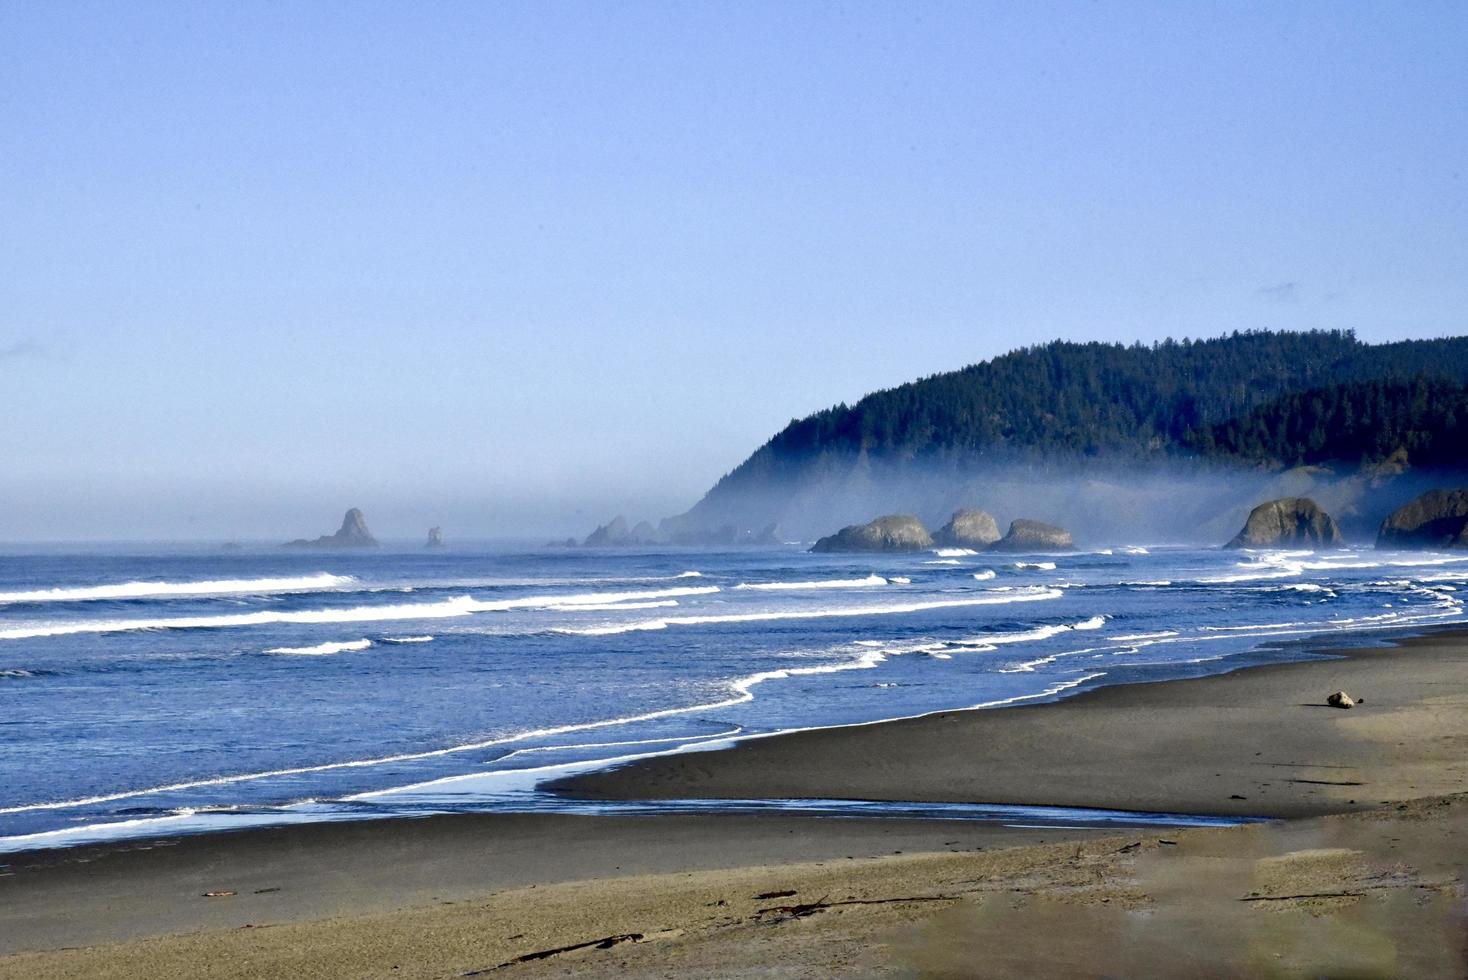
x=1437, y=519
x=435, y=538
x=610, y=535
x=894, y=532
x=1288, y=522
x=352, y=534
x=1027, y=535
x=968, y=528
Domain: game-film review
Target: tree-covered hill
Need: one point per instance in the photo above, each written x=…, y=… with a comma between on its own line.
x=1423, y=420
x=1063, y=400
x=1093, y=411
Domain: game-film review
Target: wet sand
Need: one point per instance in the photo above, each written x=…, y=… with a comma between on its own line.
x=1256, y=742
x=1377, y=889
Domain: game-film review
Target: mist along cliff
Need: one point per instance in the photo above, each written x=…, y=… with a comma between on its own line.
x=1172, y=441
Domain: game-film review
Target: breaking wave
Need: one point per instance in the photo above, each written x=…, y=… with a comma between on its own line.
x=153, y=590
x=835, y=583
x=1034, y=595
x=323, y=649
x=445, y=609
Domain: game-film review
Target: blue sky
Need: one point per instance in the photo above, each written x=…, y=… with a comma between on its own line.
x=513, y=267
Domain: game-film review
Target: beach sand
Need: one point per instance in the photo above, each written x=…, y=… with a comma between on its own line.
x=1373, y=890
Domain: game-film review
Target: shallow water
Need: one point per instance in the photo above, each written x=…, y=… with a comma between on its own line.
x=146, y=690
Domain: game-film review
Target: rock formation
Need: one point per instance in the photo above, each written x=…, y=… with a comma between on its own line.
x=1287, y=523
x=1437, y=519
x=644, y=534
x=968, y=528
x=610, y=535
x=435, y=538
x=1340, y=699
x=352, y=534
x=1034, y=536
x=895, y=532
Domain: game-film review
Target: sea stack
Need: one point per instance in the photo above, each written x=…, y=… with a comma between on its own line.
x=1287, y=523
x=894, y=532
x=612, y=533
x=1033, y=536
x=1437, y=519
x=352, y=534
x=435, y=538
x=968, y=528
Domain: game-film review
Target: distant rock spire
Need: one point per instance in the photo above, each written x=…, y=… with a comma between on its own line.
x=352, y=534
x=435, y=538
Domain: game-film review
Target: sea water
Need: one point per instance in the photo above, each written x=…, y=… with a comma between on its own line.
x=149, y=690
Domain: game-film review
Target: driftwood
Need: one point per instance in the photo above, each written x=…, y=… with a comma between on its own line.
x=804, y=909
x=606, y=942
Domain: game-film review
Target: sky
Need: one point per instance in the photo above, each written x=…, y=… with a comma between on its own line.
x=512, y=268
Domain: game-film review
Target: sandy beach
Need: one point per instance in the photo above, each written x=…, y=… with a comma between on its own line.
x=1360, y=874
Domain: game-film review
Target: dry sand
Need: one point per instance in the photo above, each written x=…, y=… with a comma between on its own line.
x=1371, y=893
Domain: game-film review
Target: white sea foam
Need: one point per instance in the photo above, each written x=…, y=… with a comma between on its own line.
x=834, y=583
x=16, y=672
x=991, y=640
x=985, y=575
x=444, y=609
x=613, y=606
x=900, y=580
x=1034, y=595
x=407, y=639
x=1159, y=635
x=943, y=561
x=1044, y=566
x=953, y=552
x=148, y=590
x=1135, y=550
x=323, y=649
x=741, y=691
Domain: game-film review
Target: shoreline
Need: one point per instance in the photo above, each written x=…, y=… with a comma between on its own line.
x=589, y=775
x=546, y=880
x=1278, y=705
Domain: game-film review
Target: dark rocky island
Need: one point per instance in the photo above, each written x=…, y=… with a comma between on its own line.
x=1034, y=536
x=435, y=538
x=1288, y=522
x=1437, y=519
x=352, y=534
x=968, y=528
x=894, y=532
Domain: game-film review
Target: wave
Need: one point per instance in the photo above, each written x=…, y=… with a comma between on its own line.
x=16, y=673
x=953, y=552
x=445, y=609
x=900, y=580
x=991, y=640
x=985, y=575
x=613, y=606
x=1159, y=635
x=1135, y=550
x=407, y=639
x=943, y=561
x=151, y=590
x=1044, y=566
x=741, y=691
x=835, y=583
x=323, y=649
x=1036, y=595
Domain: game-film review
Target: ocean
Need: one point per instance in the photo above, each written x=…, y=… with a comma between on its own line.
x=150, y=690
